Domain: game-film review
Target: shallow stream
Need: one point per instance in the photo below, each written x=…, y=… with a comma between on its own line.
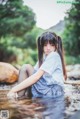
x=67, y=107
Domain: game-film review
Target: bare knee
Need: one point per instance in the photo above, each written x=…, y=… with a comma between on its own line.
x=26, y=67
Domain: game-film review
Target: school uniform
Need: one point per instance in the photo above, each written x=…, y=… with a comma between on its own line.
x=51, y=84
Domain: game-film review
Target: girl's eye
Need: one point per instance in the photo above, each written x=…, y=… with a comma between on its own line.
x=45, y=44
x=52, y=44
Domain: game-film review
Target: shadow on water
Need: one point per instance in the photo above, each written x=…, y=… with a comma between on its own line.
x=58, y=108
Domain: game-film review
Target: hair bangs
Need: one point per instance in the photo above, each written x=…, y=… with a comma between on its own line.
x=48, y=37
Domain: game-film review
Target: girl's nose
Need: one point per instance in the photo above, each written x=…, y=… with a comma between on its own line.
x=48, y=46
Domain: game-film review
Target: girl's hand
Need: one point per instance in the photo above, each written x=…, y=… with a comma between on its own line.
x=12, y=95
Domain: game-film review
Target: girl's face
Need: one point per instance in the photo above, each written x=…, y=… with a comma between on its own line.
x=48, y=48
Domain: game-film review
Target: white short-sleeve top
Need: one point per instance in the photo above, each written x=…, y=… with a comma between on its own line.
x=53, y=69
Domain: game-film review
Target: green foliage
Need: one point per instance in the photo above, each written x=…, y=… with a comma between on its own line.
x=27, y=50
x=31, y=56
x=26, y=56
x=15, y=18
x=71, y=34
x=30, y=38
x=15, y=21
x=7, y=54
x=72, y=60
x=24, y=49
x=17, y=32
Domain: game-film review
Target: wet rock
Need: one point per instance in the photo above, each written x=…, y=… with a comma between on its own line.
x=69, y=68
x=73, y=71
x=8, y=73
x=76, y=115
x=72, y=82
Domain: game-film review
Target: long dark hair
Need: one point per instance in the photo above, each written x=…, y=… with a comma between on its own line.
x=52, y=38
x=61, y=53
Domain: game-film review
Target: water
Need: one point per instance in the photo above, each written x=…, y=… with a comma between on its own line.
x=67, y=107
x=35, y=109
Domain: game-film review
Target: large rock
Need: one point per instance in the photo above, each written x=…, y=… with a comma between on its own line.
x=8, y=73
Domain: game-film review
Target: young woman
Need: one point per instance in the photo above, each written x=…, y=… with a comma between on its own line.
x=47, y=77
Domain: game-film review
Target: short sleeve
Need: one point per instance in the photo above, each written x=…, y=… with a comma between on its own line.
x=51, y=63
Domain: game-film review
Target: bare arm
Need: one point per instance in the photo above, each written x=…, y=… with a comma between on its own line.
x=27, y=82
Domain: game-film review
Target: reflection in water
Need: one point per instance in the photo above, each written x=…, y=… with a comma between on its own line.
x=39, y=109
x=53, y=108
x=58, y=108
x=34, y=108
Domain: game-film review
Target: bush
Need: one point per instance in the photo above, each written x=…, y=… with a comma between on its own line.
x=72, y=60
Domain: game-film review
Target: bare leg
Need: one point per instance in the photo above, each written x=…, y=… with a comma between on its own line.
x=25, y=71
